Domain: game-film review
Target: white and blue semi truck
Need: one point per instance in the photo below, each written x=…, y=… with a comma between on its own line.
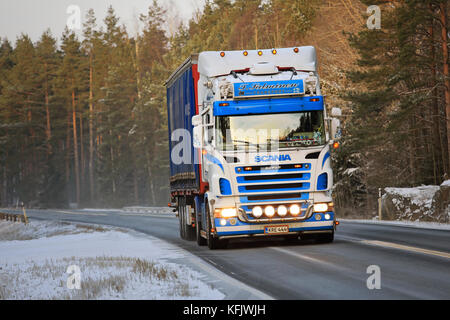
x=250, y=143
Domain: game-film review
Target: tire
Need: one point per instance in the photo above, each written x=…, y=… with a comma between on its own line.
x=182, y=224
x=190, y=233
x=325, y=238
x=198, y=227
x=186, y=232
x=212, y=242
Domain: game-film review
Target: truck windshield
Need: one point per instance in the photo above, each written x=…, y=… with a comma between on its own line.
x=299, y=129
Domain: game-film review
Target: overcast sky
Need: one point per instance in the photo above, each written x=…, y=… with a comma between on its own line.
x=33, y=17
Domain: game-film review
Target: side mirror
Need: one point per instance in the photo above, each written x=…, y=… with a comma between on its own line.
x=197, y=137
x=335, y=129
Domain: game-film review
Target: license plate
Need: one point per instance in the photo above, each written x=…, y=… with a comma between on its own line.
x=276, y=229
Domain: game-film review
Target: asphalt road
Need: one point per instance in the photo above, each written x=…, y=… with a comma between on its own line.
x=413, y=263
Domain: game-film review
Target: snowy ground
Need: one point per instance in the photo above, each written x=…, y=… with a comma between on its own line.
x=113, y=263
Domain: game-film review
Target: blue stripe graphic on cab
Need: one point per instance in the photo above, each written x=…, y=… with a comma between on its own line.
x=322, y=181
x=304, y=186
x=225, y=187
x=214, y=160
x=304, y=196
x=304, y=176
x=327, y=155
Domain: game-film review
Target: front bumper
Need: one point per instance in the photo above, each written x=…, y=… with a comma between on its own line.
x=235, y=228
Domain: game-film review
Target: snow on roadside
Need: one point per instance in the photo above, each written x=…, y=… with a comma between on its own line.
x=421, y=196
x=113, y=264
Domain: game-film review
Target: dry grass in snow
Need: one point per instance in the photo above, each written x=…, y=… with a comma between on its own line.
x=112, y=265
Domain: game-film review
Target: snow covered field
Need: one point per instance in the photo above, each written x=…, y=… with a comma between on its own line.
x=58, y=260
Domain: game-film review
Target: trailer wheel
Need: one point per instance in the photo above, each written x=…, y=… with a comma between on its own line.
x=213, y=243
x=182, y=223
x=198, y=227
x=187, y=232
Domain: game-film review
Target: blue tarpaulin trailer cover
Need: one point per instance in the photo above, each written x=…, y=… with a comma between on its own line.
x=180, y=109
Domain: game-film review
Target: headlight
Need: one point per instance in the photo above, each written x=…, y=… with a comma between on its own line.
x=320, y=207
x=257, y=212
x=228, y=212
x=269, y=211
x=294, y=209
x=327, y=216
x=282, y=211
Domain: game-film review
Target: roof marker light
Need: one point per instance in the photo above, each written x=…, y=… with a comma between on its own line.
x=245, y=53
x=222, y=54
x=260, y=53
x=274, y=51
x=296, y=50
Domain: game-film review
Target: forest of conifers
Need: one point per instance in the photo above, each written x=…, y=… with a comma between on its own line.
x=83, y=119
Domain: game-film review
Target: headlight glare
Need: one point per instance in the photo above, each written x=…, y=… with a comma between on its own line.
x=294, y=209
x=229, y=212
x=282, y=211
x=269, y=211
x=257, y=212
x=320, y=207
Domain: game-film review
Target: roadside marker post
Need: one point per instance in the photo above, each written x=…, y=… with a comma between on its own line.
x=379, y=204
x=24, y=213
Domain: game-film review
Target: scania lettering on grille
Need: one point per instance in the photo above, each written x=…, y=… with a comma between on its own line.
x=281, y=157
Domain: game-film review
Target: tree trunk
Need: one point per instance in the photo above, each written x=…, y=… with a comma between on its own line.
x=68, y=155
x=5, y=185
x=438, y=155
x=75, y=147
x=136, y=186
x=443, y=18
x=91, y=131
x=150, y=180
x=82, y=158
x=48, y=130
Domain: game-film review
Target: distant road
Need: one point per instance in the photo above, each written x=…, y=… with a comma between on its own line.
x=414, y=263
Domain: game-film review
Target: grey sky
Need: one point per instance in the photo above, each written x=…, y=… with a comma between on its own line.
x=33, y=17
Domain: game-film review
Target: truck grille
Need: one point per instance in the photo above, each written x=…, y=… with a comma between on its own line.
x=269, y=183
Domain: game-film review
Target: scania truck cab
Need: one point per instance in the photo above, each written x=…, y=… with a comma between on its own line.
x=259, y=139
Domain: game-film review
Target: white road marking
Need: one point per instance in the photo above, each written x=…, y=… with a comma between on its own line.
x=148, y=215
x=81, y=213
x=406, y=248
x=307, y=258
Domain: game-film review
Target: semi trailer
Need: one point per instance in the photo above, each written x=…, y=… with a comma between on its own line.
x=250, y=143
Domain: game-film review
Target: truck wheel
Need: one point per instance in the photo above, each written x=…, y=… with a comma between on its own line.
x=190, y=233
x=198, y=227
x=187, y=232
x=213, y=243
x=325, y=238
x=181, y=220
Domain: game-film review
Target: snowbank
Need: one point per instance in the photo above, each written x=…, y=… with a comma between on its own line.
x=424, y=203
x=113, y=264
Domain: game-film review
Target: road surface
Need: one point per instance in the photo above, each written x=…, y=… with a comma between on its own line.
x=413, y=263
